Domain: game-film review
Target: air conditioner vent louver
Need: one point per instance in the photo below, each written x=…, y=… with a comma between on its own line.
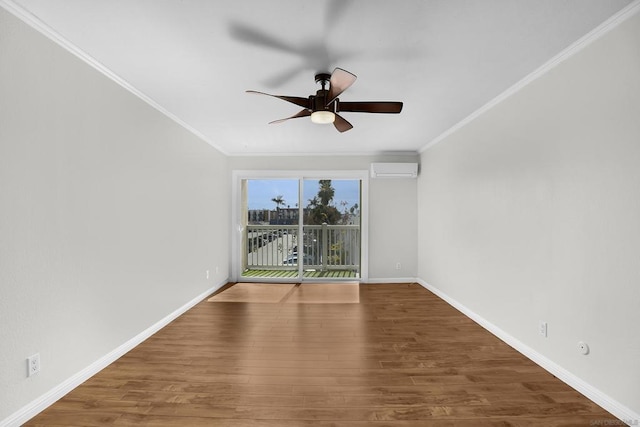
x=394, y=170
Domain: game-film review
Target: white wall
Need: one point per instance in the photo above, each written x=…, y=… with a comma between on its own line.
x=392, y=207
x=532, y=212
x=110, y=213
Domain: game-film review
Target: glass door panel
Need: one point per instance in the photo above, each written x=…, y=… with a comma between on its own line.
x=330, y=241
x=270, y=234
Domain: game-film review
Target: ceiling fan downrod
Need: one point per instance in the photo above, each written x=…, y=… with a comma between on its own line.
x=321, y=112
x=323, y=79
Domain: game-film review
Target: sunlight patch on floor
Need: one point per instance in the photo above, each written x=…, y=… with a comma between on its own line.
x=306, y=293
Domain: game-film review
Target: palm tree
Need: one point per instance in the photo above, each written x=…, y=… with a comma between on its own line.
x=278, y=200
x=323, y=211
x=326, y=192
x=313, y=202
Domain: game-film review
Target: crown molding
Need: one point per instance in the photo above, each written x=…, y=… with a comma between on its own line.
x=598, y=32
x=323, y=154
x=36, y=23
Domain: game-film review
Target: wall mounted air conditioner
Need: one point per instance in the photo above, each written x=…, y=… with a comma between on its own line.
x=394, y=170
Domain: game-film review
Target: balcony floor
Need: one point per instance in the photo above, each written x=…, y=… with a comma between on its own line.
x=292, y=274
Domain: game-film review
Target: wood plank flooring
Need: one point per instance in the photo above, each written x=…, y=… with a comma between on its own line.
x=400, y=357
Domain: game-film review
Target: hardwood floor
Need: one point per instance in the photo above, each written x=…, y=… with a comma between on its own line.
x=399, y=357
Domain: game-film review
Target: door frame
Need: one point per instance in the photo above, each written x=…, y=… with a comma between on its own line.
x=237, y=224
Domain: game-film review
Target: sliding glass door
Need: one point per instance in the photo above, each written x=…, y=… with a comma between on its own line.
x=300, y=229
x=331, y=229
x=271, y=232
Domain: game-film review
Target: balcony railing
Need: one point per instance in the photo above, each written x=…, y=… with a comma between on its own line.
x=321, y=247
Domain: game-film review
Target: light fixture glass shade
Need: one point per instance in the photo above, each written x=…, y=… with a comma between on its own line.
x=323, y=117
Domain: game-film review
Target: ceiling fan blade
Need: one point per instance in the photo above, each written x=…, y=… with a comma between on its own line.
x=302, y=102
x=247, y=34
x=339, y=82
x=370, y=107
x=303, y=113
x=283, y=77
x=341, y=124
x=334, y=12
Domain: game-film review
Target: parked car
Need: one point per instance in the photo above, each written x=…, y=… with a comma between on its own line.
x=293, y=260
x=308, y=250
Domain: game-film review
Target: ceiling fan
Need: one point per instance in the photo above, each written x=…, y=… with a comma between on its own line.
x=324, y=106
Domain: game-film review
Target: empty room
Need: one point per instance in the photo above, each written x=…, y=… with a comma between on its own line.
x=331, y=213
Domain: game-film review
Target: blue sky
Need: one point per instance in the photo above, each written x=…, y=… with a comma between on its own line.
x=261, y=191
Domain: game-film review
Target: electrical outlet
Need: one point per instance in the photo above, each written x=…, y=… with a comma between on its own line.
x=33, y=364
x=398, y=266
x=207, y=274
x=542, y=328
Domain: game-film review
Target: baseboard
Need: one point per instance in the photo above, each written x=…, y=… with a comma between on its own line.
x=619, y=410
x=40, y=404
x=392, y=280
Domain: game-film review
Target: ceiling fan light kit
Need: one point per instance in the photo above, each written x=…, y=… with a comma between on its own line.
x=324, y=106
x=323, y=117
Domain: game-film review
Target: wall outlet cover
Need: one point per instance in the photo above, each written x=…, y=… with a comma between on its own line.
x=33, y=364
x=542, y=328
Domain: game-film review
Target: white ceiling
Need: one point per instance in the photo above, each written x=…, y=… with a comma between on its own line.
x=195, y=58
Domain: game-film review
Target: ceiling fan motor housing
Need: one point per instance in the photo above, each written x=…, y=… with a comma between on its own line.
x=319, y=101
